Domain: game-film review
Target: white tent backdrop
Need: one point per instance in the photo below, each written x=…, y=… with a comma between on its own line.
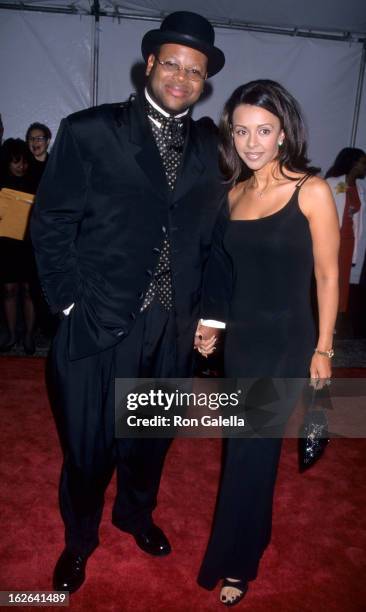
x=45, y=68
x=46, y=72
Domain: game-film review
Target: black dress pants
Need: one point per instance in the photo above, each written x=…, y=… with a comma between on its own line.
x=85, y=415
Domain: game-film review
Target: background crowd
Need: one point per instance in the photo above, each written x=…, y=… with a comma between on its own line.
x=22, y=163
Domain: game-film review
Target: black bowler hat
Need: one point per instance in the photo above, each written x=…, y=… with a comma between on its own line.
x=190, y=30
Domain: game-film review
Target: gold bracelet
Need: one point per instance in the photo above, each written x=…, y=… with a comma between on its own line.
x=328, y=354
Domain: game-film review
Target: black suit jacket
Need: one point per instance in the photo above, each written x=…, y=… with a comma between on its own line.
x=102, y=210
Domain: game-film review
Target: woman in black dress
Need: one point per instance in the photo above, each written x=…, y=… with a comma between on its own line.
x=282, y=225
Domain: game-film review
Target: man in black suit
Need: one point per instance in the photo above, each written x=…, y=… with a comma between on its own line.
x=122, y=230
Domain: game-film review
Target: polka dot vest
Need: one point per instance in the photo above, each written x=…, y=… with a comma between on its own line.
x=169, y=138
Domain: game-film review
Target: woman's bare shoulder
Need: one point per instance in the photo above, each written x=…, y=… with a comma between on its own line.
x=316, y=196
x=315, y=186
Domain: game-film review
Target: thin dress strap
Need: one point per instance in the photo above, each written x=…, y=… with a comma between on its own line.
x=303, y=180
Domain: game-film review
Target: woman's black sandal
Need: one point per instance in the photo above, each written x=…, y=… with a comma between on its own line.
x=241, y=585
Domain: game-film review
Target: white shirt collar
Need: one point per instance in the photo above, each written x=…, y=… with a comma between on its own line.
x=161, y=110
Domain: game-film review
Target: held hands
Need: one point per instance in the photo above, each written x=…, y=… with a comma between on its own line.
x=205, y=339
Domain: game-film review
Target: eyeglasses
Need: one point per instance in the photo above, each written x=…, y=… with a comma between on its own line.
x=192, y=73
x=37, y=138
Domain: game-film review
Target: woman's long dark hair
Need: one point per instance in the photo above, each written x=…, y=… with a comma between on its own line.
x=345, y=161
x=274, y=98
x=13, y=149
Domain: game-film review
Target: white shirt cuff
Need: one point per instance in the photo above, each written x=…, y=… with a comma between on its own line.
x=213, y=323
x=68, y=309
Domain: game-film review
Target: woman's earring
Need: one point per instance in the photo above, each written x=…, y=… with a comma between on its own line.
x=280, y=143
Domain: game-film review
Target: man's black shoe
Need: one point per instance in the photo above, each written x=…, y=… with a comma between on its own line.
x=153, y=541
x=69, y=572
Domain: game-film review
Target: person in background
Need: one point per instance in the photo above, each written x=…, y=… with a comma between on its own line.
x=348, y=167
x=38, y=138
x=361, y=302
x=16, y=256
x=14, y=165
x=1, y=130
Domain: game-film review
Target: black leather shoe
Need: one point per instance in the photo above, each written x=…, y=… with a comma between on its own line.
x=69, y=572
x=153, y=541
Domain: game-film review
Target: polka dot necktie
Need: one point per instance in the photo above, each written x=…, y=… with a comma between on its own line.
x=169, y=138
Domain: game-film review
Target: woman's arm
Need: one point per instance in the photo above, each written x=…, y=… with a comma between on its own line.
x=317, y=204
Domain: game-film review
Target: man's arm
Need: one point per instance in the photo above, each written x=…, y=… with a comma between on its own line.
x=216, y=290
x=57, y=212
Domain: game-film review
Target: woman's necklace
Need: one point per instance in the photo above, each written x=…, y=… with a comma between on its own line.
x=260, y=192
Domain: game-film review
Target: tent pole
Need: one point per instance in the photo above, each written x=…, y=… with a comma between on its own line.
x=356, y=113
x=95, y=54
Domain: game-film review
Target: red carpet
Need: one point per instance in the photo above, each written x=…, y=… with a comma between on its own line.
x=316, y=560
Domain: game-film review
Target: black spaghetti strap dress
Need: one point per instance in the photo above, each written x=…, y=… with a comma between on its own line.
x=265, y=266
